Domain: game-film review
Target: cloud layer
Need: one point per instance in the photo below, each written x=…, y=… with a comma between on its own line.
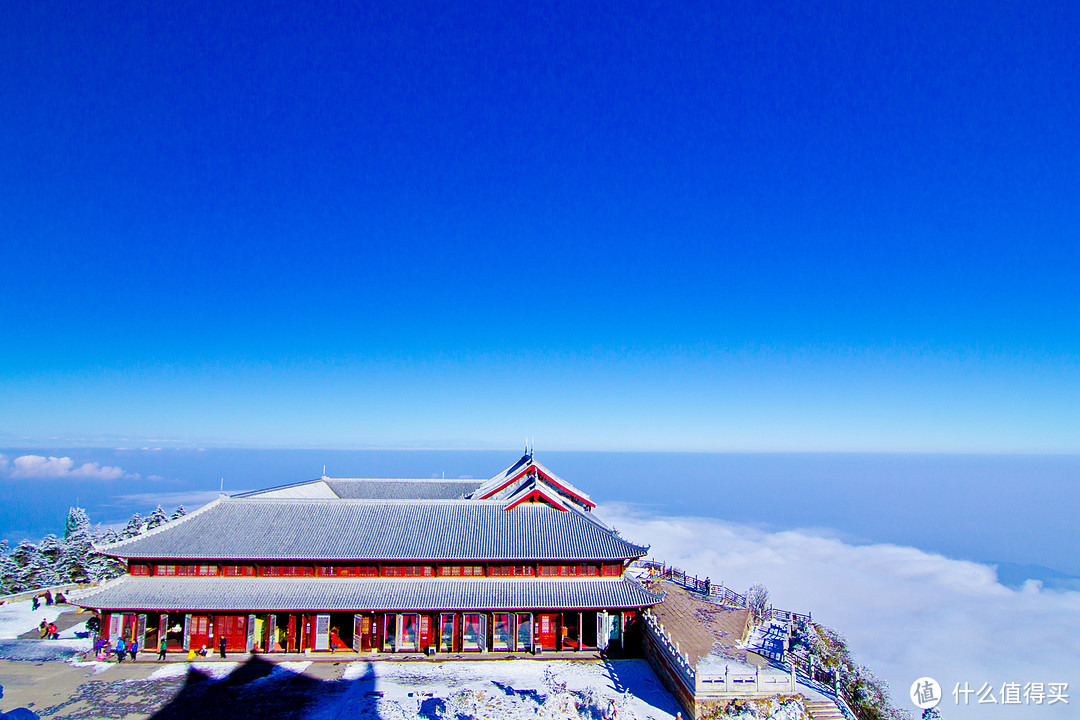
x=38, y=466
x=907, y=613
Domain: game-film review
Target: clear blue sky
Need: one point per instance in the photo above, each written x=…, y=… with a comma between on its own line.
x=839, y=226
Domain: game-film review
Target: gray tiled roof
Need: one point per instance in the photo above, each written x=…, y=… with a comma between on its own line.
x=320, y=529
x=282, y=594
x=361, y=489
x=372, y=489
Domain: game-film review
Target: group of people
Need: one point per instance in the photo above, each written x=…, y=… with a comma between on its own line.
x=124, y=648
x=48, y=630
x=47, y=596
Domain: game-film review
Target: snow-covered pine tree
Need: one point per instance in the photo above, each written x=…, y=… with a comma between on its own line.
x=76, y=557
x=158, y=517
x=107, y=538
x=50, y=549
x=32, y=571
x=77, y=522
x=7, y=569
x=178, y=513
x=134, y=527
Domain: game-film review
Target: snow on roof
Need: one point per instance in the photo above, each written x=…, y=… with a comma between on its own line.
x=258, y=528
x=372, y=489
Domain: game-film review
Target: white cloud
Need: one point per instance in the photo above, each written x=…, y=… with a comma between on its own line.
x=37, y=466
x=906, y=612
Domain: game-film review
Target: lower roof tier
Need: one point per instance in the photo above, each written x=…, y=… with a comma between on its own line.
x=339, y=594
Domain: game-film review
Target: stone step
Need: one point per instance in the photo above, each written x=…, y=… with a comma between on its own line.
x=823, y=710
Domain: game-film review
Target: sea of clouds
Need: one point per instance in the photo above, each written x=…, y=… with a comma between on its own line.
x=906, y=613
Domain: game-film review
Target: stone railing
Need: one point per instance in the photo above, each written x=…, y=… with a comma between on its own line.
x=745, y=684
x=678, y=660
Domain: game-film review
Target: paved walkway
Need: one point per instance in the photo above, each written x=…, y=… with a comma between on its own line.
x=702, y=627
x=66, y=619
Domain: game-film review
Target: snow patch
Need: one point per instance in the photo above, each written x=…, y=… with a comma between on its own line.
x=96, y=666
x=19, y=616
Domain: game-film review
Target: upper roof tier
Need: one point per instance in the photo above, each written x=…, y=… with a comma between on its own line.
x=371, y=489
x=524, y=513
x=320, y=529
x=528, y=480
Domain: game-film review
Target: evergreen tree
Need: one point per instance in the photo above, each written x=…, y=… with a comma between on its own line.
x=32, y=571
x=77, y=556
x=158, y=517
x=178, y=513
x=50, y=549
x=134, y=527
x=77, y=522
x=7, y=569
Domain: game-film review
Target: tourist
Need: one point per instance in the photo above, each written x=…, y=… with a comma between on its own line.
x=60, y=599
x=202, y=652
x=37, y=602
x=161, y=648
x=48, y=597
x=54, y=634
x=43, y=628
x=120, y=650
x=133, y=649
x=221, y=645
x=100, y=648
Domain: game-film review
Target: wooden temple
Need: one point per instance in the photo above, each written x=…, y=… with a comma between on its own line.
x=518, y=563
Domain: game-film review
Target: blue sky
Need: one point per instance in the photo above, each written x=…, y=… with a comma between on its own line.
x=609, y=226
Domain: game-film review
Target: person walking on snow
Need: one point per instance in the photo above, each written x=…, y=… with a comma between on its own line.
x=133, y=648
x=120, y=650
x=161, y=649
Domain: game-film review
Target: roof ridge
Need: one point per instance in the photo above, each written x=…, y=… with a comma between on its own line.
x=368, y=501
x=405, y=479
x=104, y=549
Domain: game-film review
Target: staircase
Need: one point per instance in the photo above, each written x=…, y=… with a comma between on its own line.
x=822, y=709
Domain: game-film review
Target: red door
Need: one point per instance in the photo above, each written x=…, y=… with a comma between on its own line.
x=232, y=628
x=547, y=630
x=291, y=634
x=200, y=632
x=425, y=632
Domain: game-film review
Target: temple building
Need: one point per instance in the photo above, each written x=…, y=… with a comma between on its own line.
x=517, y=563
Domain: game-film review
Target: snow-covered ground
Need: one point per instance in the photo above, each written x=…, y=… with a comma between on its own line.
x=482, y=690
x=492, y=690
x=18, y=616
